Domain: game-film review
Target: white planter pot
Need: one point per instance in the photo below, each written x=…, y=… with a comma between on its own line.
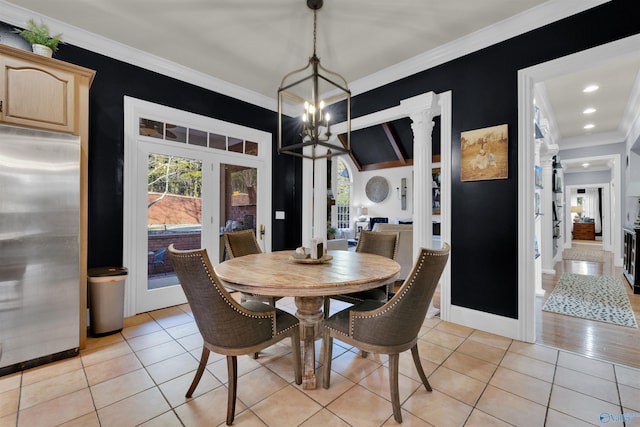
x=43, y=50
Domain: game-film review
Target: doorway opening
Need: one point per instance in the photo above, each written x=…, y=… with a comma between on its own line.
x=527, y=79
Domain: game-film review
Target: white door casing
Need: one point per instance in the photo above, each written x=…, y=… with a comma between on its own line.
x=137, y=298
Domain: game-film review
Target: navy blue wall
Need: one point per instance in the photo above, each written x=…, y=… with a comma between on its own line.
x=484, y=87
x=114, y=80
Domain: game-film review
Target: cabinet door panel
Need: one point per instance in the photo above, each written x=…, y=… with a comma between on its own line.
x=38, y=97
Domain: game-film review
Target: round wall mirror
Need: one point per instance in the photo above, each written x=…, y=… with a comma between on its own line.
x=377, y=189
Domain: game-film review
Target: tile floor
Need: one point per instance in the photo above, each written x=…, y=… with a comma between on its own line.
x=139, y=377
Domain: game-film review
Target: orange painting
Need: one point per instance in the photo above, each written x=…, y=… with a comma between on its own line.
x=485, y=154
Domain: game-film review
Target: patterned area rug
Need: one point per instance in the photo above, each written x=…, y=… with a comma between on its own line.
x=580, y=254
x=602, y=298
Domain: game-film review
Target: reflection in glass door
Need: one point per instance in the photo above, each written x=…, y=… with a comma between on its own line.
x=174, y=213
x=238, y=201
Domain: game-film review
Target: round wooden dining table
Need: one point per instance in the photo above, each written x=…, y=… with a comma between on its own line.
x=308, y=281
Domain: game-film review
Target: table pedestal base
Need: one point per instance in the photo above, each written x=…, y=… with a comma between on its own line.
x=310, y=315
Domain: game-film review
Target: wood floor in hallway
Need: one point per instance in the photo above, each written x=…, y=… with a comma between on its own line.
x=593, y=339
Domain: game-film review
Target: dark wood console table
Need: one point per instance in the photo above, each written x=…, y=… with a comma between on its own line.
x=630, y=256
x=584, y=231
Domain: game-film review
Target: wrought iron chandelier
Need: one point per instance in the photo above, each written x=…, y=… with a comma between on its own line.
x=302, y=92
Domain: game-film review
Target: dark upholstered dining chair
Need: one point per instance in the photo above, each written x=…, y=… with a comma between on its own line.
x=241, y=243
x=228, y=327
x=378, y=243
x=391, y=327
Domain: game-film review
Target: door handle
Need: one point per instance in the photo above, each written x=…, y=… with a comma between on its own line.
x=261, y=231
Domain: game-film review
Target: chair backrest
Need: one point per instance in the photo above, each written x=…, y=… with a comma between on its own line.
x=405, y=245
x=241, y=243
x=222, y=321
x=399, y=320
x=379, y=243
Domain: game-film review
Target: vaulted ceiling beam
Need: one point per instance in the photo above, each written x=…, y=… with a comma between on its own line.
x=393, y=140
x=385, y=165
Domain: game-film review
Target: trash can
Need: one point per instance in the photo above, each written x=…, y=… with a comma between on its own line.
x=106, y=299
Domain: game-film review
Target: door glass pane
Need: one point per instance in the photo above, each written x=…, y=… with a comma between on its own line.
x=175, y=133
x=197, y=137
x=238, y=197
x=235, y=145
x=219, y=142
x=174, y=213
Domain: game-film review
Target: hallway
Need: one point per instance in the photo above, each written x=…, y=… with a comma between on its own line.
x=593, y=339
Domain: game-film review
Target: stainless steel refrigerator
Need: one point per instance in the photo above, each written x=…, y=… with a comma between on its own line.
x=39, y=247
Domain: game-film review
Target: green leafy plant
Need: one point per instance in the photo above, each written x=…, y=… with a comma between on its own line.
x=331, y=232
x=39, y=34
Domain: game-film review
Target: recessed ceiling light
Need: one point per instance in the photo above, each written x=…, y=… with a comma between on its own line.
x=589, y=111
x=585, y=165
x=589, y=126
x=591, y=88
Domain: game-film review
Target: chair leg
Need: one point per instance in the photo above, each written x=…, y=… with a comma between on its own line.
x=272, y=302
x=394, y=360
x=232, y=373
x=327, y=307
x=416, y=361
x=203, y=364
x=297, y=363
x=327, y=350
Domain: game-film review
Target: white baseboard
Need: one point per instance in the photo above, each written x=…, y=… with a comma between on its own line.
x=499, y=325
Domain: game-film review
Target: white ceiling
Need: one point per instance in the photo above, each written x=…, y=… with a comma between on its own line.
x=252, y=44
x=618, y=81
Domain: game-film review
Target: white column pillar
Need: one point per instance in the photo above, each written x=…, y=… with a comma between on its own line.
x=422, y=110
x=314, y=198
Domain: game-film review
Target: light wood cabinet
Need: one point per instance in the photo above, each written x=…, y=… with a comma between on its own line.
x=45, y=93
x=41, y=92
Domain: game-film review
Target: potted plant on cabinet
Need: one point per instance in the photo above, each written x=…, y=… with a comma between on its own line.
x=331, y=233
x=38, y=36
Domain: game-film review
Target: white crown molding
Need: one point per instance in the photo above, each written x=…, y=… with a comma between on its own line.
x=551, y=11
x=582, y=141
x=19, y=16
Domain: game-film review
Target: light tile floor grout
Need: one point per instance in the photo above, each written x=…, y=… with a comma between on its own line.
x=139, y=377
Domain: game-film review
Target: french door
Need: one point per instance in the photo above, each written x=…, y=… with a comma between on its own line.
x=192, y=179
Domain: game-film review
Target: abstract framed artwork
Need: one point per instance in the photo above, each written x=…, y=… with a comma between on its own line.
x=485, y=153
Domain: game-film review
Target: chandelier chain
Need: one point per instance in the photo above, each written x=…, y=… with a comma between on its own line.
x=315, y=19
